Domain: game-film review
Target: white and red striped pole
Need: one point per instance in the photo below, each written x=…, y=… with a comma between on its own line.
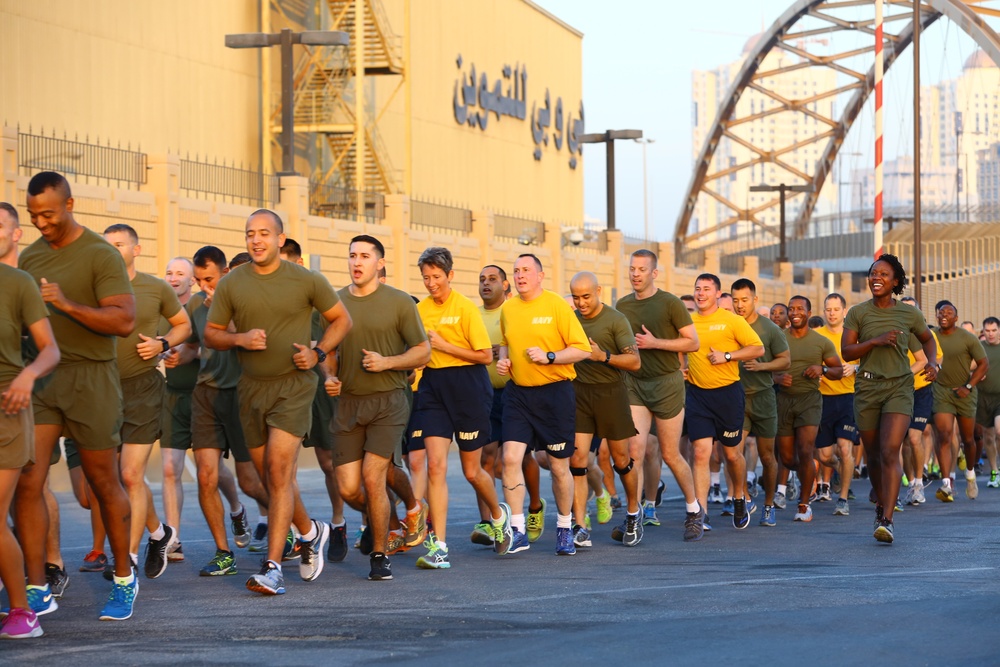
x=879, y=69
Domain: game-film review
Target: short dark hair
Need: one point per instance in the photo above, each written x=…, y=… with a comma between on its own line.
x=944, y=302
x=122, y=228
x=649, y=254
x=209, y=254
x=11, y=211
x=503, y=274
x=815, y=322
x=538, y=262
x=46, y=180
x=835, y=295
x=365, y=238
x=274, y=216
x=687, y=297
x=991, y=320
x=897, y=271
x=240, y=259
x=809, y=304
x=779, y=304
x=438, y=257
x=291, y=249
x=709, y=276
x=725, y=294
x=744, y=283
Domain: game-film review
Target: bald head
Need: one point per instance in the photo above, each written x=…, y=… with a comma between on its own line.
x=586, y=294
x=584, y=279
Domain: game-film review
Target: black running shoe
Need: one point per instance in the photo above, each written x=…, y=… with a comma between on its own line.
x=368, y=542
x=381, y=569
x=156, y=552
x=337, y=549
x=57, y=579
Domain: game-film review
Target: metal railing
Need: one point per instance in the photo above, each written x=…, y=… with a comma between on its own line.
x=72, y=157
x=233, y=183
x=522, y=230
x=332, y=201
x=426, y=214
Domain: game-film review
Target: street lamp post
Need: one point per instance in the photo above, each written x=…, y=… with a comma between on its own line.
x=781, y=188
x=645, y=188
x=285, y=39
x=609, y=138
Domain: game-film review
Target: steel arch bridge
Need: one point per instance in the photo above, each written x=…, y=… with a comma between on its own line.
x=800, y=25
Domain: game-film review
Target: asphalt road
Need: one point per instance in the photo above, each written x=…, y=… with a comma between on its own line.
x=824, y=592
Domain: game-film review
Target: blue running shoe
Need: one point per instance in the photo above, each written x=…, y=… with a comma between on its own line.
x=503, y=535
x=121, y=601
x=269, y=581
x=741, y=517
x=727, y=507
x=518, y=542
x=751, y=505
x=649, y=517
x=767, y=519
x=564, y=542
x=40, y=599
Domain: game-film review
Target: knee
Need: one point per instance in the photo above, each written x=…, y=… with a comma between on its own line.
x=208, y=479
x=131, y=477
x=437, y=468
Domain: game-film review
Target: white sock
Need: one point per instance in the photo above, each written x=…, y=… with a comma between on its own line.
x=970, y=474
x=311, y=535
x=564, y=521
x=262, y=520
x=158, y=533
x=517, y=521
x=134, y=557
x=338, y=525
x=276, y=566
x=692, y=507
x=782, y=488
x=237, y=512
x=442, y=545
x=715, y=478
x=125, y=581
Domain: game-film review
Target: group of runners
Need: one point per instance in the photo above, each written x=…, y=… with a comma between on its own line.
x=267, y=356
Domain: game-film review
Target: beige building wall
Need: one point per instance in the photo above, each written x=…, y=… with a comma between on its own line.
x=155, y=74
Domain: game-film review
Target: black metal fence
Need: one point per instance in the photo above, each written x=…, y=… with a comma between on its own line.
x=426, y=214
x=72, y=157
x=332, y=201
x=245, y=186
x=522, y=230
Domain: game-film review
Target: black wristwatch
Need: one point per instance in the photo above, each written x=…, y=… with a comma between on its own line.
x=968, y=385
x=166, y=345
x=728, y=356
x=607, y=359
x=551, y=356
x=320, y=354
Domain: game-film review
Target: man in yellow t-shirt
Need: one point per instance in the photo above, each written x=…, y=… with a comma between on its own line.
x=714, y=403
x=918, y=443
x=542, y=339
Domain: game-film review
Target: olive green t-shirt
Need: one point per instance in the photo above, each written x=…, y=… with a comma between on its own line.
x=87, y=270
x=664, y=315
x=385, y=321
x=280, y=303
x=185, y=376
x=219, y=369
x=154, y=299
x=774, y=344
x=870, y=321
x=21, y=306
x=960, y=349
x=991, y=383
x=612, y=332
x=810, y=350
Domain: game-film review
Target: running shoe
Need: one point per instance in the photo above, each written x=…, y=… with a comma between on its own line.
x=57, y=578
x=269, y=581
x=503, y=535
x=715, y=495
x=482, y=534
x=581, y=536
x=908, y=496
x=632, y=534
x=918, y=495
x=109, y=570
x=842, y=508
x=904, y=481
x=366, y=543
x=241, y=528
x=175, y=553
x=292, y=549
x=519, y=542
x=751, y=506
x=381, y=568
x=780, y=502
x=883, y=531
x=767, y=517
x=436, y=557
x=805, y=513
x=604, y=510
x=695, y=524
x=259, y=541
x=898, y=506
x=618, y=532
x=660, y=488
x=358, y=534
x=536, y=523
x=312, y=563
x=727, y=508
x=971, y=488
x=416, y=526
x=121, y=600
x=564, y=542
x=945, y=495
x=397, y=544
x=41, y=600
x=850, y=494
x=649, y=517
x=21, y=624
x=222, y=563
x=337, y=551
x=824, y=493
x=706, y=523
x=961, y=459
x=793, y=486
x=616, y=503
x=156, y=553
x=741, y=518
x=994, y=482
x=95, y=561
x=752, y=488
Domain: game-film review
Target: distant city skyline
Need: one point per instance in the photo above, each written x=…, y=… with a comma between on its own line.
x=638, y=61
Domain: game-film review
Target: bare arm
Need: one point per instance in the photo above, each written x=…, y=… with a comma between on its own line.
x=919, y=361
x=851, y=349
x=218, y=337
x=686, y=341
x=180, y=331
x=338, y=324
x=781, y=362
x=414, y=357
x=626, y=360
x=484, y=356
x=113, y=316
x=18, y=394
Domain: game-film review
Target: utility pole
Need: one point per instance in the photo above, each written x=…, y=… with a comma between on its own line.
x=781, y=188
x=609, y=138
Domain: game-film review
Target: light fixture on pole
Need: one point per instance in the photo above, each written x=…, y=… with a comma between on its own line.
x=609, y=138
x=782, y=189
x=645, y=188
x=285, y=39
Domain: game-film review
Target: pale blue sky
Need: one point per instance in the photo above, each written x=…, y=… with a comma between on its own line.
x=638, y=56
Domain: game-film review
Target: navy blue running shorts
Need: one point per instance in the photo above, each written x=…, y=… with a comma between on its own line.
x=544, y=416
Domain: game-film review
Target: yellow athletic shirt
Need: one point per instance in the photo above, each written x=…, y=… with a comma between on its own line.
x=458, y=322
x=920, y=380
x=491, y=318
x=725, y=332
x=844, y=385
x=546, y=322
